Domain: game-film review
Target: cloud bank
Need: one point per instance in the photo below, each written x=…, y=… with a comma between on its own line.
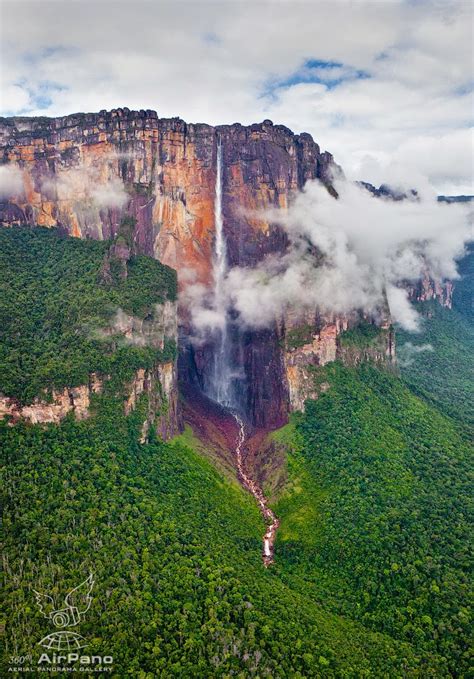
x=373, y=82
x=128, y=330
x=345, y=255
x=110, y=195
x=11, y=181
x=94, y=186
x=408, y=352
x=89, y=184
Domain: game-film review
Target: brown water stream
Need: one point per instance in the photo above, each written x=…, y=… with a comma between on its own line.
x=269, y=516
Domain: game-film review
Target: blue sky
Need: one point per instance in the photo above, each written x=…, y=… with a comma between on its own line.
x=329, y=73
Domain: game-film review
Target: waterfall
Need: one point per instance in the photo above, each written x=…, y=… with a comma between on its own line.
x=221, y=379
x=224, y=380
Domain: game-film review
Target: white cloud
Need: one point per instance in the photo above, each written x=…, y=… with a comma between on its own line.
x=89, y=185
x=346, y=255
x=110, y=195
x=14, y=98
x=11, y=181
x=401, y=309
x=443, y=161
x=407, y=353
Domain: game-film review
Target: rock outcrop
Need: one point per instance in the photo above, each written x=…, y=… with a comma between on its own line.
x=427, y=289
x=389, y=192
x=309, y=342
x=159, y=331
x=161, y=387
x=159, y=384
x=158, y=327
x=314, y=340
x=56, y=407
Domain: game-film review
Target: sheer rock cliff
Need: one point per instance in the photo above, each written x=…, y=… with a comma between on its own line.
x=86, y=172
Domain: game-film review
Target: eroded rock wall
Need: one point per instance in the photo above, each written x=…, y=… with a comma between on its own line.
x=162, y=172
x=312, y=340
x=55, y=408
x=428, y=289
x=160, y=385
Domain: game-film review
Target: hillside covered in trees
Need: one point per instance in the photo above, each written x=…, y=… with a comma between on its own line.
x=376, y=517
x=56, y=296
x=372, y=555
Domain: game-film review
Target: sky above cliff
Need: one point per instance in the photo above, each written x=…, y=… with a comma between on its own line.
x=386, y=86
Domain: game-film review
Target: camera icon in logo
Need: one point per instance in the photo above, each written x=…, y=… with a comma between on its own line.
x=66, y=618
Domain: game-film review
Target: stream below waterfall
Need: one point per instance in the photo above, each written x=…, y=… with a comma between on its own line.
x=270, y=519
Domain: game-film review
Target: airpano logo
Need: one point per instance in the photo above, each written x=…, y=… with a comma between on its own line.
x=76, y=604
x=62, y=648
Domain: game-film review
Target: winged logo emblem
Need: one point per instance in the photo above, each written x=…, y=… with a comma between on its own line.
x=76, y=604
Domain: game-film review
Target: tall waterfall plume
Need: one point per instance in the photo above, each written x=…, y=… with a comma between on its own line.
x=221, y=379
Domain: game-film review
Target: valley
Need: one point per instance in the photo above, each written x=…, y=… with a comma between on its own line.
x=263, y=500
x=237, y=339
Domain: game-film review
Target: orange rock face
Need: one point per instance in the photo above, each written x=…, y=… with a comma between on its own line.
x=87, y=171
x=70, y=399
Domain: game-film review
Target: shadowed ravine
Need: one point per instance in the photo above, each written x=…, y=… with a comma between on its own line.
x=270, y=518
x=223, y=430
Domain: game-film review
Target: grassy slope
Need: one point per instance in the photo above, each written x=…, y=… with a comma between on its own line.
x=375, y=519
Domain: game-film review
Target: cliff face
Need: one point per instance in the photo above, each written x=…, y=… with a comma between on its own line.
x=309, y=341
x=159, y=384
x=54, y=409
x=86, y=172
x=313, y=340
x=428, y=289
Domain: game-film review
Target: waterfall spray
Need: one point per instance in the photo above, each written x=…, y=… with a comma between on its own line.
x=221, y=379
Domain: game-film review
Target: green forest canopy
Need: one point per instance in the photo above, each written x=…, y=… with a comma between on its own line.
x=371, y=572
x=53, y=299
